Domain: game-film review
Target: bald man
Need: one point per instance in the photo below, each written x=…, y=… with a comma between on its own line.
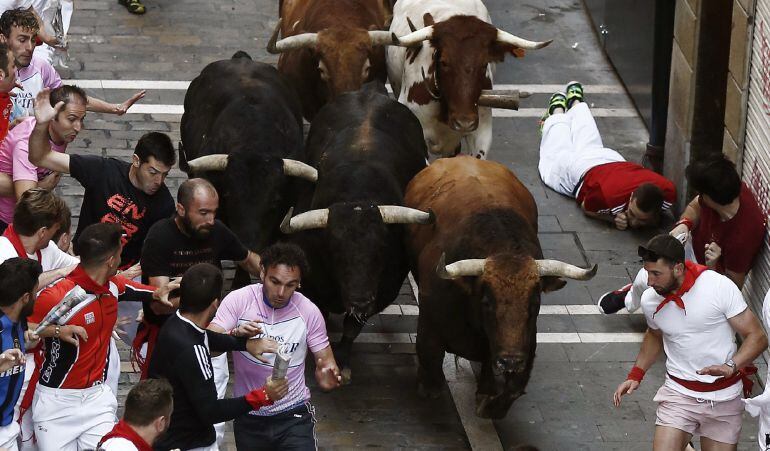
x=193, y=235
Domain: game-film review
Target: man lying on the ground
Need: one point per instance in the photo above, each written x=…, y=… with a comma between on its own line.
x=574, y=162
x=723, y=227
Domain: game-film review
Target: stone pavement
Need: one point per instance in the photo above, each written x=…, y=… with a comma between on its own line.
x=567, y=406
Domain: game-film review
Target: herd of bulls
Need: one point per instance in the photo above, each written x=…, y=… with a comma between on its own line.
x=361, y=199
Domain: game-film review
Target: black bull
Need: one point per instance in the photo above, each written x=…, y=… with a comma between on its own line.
x=366, y=148
x=245, y=120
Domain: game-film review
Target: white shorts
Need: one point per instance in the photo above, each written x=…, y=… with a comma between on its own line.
x=69, y=420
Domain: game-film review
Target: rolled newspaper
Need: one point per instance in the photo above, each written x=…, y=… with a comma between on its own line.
x=73, y=298
x=280, y=365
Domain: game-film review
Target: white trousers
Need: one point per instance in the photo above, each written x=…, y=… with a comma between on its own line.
x=113, y=367
x=570, y=146
x=72, y=420
x=634, y=296
x=8, y=436
x=221, y=378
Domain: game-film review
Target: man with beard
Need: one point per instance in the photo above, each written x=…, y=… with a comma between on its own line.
x=18, y=285
x=693, y=314
x=175, y=244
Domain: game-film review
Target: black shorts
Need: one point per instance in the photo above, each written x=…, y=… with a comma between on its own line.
x=290, y=430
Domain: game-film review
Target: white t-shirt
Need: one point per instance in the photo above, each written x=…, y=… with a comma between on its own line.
x=52, y=256
x=118, y=444
x=699, y=336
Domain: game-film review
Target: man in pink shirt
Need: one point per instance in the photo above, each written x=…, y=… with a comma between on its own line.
x=297, y=325
x=14, y=150
x=20, y=28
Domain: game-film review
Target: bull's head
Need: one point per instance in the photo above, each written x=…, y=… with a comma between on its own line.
x=344, y=54
x=508, y=287
x=463, y=48
x=254, y=190
x=360, y=242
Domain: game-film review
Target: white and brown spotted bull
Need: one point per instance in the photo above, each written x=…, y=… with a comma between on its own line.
x=330, y=47
x=480, y=271
x=440, y=70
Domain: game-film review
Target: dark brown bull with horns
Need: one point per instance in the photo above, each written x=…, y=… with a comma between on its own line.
x=480, y=271
x=330, y=47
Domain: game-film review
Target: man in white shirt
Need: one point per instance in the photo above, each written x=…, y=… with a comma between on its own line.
x=36, y=219
x=693, y=314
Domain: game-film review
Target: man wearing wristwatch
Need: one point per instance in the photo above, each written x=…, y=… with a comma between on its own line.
x=693, y=314
x=723, y=223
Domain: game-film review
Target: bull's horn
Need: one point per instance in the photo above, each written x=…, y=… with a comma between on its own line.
x=560, y=269
x=291, y=43
x=470, y=267
x=313, y=219
x=216, y=162
x=396, y=214
x=504, y=37
x=299, y=169
x=415, y=38
x=500, y=99
x=380, y=37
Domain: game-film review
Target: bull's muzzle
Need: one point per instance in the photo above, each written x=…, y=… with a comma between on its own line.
x=465, y=124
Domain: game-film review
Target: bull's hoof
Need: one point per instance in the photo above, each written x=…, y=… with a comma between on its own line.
x=428, y=392
x=347, y=376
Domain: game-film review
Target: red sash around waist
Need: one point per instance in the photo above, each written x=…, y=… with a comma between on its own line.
x=724, y=382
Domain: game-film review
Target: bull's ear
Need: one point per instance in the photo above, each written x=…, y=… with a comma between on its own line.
x=427, y=19
x=550, y=283
x=498, y=51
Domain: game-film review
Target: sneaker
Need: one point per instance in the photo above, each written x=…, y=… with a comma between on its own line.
x=613, y=301
x=558, y=100
x=133, y=6
x=574, y=92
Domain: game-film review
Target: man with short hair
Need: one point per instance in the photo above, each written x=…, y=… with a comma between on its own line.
x=297, y=324
x=574, y=162
x=183, y=357
x=38, y=216
x=147, y=415
x=723, y=223
x=172, y=246
x=73, y=408
x=14, y=150
x=133, y=195
x=18, y=288
x=20, y=28
x=693, y=314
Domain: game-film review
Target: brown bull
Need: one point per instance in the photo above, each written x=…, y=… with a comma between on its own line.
x=331, y=46
x=480, y=271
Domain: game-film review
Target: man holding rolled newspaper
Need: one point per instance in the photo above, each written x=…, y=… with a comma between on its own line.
x=183, y=356
x=72, y=407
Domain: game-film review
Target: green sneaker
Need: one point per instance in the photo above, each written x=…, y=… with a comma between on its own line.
x=574, y=92
x=558, y=100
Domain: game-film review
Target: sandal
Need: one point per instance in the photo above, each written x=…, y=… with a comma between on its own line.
x=133, y=6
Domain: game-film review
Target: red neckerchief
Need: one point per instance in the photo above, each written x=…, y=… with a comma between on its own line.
x=13, y=237
x=123, y=430
x=691, y=272
x=79, y=276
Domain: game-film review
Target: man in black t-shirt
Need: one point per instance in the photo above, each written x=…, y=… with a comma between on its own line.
x=175, y=244
x=133, y=195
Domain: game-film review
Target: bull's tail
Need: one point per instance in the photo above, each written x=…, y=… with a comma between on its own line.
x=240, y=54
x=183, y=158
